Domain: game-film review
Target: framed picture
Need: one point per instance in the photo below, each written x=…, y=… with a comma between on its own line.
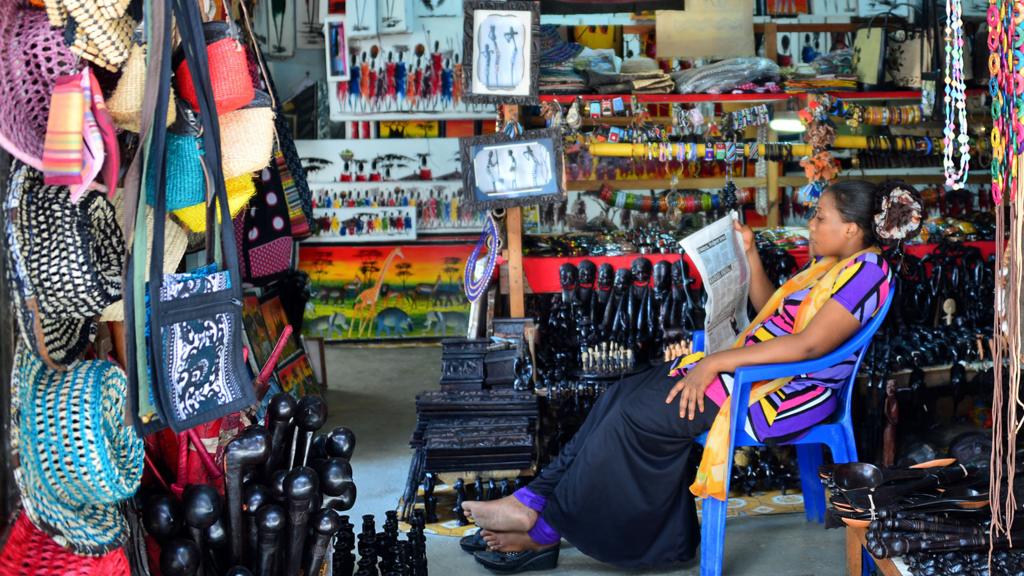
x=337, y=48
x=503, y=171
x=432, y=46
x=437, y=8
x=437, y=206
x=385, y=292
x=502, y=46
x=380, y=160
x=396, y=16
x=362, y=18
x=309, y=25
x=274, y=27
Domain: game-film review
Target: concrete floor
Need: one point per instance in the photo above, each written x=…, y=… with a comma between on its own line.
x=372, y=391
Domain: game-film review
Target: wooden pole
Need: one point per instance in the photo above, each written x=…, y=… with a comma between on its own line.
x=516, y=292
x=774, y=197
x=513, y=235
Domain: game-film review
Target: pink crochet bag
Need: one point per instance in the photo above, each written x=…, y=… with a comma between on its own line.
x=32, y=57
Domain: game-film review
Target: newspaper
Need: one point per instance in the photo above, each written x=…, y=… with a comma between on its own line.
x=717, y=252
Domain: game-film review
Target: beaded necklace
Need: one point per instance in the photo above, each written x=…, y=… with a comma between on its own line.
x=490, y=239
x=955, y=102
x=1006, y=85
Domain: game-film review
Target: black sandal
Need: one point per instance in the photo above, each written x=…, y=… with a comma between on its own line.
x=473, y=543
x=515, y=562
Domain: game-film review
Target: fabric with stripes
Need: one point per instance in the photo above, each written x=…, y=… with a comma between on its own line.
x=810, y=399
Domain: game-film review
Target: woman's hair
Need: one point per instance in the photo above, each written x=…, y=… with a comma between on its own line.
x=888, y=212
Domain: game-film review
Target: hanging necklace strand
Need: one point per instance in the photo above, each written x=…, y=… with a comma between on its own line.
x=955, y=101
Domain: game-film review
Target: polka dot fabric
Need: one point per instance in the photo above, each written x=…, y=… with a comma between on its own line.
x=265, y=235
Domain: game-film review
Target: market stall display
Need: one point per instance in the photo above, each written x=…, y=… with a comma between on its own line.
x=158, y=189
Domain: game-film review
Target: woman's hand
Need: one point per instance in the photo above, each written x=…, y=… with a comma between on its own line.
x=748, y=236
x=691, y=389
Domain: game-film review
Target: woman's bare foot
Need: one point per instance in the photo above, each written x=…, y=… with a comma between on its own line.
x=509, y=541
x=504, y=515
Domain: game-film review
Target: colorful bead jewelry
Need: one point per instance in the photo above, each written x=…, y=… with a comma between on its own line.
x=489, y=238
x=955, y=102
x=1006, y=85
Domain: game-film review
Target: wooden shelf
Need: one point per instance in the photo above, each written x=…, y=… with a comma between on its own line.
x=662, y=183
x=748, y=98
x=668, y=98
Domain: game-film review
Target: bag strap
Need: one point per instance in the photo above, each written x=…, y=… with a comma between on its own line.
x=194, y=47
x=156, y=96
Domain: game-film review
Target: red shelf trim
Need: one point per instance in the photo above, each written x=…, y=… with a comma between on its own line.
x=541, y=272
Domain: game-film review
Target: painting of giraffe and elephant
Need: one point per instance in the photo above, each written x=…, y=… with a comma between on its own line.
x=386, y=292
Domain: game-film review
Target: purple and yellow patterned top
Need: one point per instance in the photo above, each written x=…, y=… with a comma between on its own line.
x=860, y=288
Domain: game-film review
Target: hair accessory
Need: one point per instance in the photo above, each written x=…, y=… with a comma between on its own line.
x=900, y=215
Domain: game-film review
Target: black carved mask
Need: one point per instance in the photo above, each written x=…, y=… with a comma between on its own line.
x=622, y=278
x=568, y=276
x=641, y=270
x=605, y=274
x=662, y=275
x=677, y=274
x=587, y=272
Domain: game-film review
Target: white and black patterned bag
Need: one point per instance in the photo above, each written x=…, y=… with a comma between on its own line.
x=193, y=360
x=65, y=261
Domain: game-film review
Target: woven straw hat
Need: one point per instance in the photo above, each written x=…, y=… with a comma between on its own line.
x=240, y=190
x=65, y=262
x=125, y=103
x=247, y=137
x=32, y=57
x=101, y=36
x=175, y=243
x=77, y=458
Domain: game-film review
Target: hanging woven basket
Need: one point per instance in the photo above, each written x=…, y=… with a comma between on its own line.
x=229, y=70
x=30, y=552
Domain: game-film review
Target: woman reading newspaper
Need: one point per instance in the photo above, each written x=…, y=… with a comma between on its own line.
x=621, y=490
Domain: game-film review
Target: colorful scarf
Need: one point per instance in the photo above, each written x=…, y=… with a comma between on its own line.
x=80, y=136
x=820, y=277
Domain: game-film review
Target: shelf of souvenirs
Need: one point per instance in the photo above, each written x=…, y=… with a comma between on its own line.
x=702, y=183
x=793, y=150
x=783, y=23
x=875, y=95
x=794, y=180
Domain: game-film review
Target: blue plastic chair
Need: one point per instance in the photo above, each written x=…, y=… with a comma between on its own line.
x=837, y=435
